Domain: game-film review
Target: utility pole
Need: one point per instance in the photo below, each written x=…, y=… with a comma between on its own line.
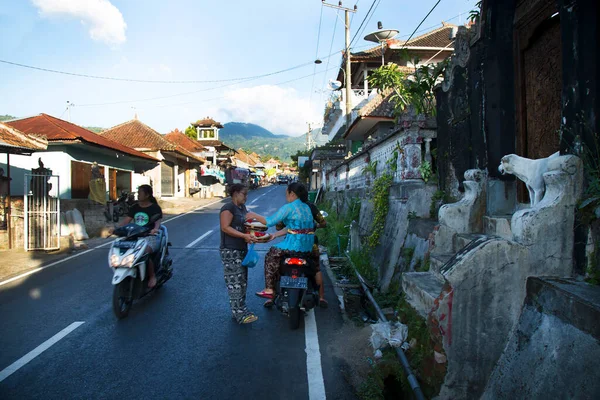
x=347, y=71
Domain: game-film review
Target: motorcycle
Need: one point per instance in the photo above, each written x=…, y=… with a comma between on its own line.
x=297, y=290
x=129, y=261
x=122, y=204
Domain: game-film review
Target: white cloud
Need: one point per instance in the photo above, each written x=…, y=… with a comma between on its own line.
x=105, y=21
x=280, y=110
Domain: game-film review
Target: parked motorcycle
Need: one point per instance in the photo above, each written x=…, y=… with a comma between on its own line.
x=129, y=261
x=122, y=204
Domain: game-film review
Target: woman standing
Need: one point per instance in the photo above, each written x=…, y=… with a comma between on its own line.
x=234, y=247
x=300, y=235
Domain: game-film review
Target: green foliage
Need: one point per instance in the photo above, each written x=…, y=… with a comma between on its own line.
x=190, y=132
x=407, y=255
x=362, y=262
x=424, y=265
x=380, y=197
x=7, y=117
x=392, y=162
x=370, y=168
x=475, y=14
x=337, y=226
x=412, y=215
x=437, y=196
x=415, y=90
x=425, y=170
x=95, y=129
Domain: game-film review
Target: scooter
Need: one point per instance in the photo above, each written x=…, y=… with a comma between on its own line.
x=297, y=290
x=129, y=261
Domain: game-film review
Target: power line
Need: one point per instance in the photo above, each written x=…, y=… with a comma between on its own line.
x=312, y=85
x=152, y=81
x=360, y=33
x=363, y=21
x=420, y=23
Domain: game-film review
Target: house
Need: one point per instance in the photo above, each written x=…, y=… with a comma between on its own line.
x=178, y=166
x=70, y=154
x=430, y=48
x=272, y=164
x=217, y=153
x=13, y=142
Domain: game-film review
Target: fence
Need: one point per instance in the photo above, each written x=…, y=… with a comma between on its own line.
x=41, y=206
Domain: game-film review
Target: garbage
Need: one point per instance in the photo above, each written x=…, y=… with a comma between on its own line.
x=378, y=354
x=76, y=225
x=387, y=333
x=439, y=357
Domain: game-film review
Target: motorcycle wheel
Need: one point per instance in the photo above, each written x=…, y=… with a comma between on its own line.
x=294, y=315
x=122, y=298
x=115, y=215
x=122, y=210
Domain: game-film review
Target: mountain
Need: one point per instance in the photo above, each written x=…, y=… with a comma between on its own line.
x=264, y=142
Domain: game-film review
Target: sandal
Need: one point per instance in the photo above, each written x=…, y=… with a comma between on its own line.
x=264, y=294
x=249, y=319
x=323, y=303
x=268, y=304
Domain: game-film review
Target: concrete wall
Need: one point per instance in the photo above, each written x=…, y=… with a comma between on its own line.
x=553, y=352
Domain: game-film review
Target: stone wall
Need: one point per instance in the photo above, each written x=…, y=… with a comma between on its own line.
x=93, y=215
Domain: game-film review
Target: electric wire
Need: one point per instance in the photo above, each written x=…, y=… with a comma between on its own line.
x=362, y=23
x=421, y=23
x=152, y=81
x=312, y=85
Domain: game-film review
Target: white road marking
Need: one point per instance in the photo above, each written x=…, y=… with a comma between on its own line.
x=14, y=367
x=253, y=201
x=199, y=239
x=316, y=385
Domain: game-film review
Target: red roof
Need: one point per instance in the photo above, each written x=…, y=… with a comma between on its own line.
x=57, y=130
x=17, y=141
x=207, y=123
x=137, y=135
x=180, y=139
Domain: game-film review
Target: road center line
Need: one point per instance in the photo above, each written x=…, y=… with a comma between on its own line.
x=314, y=371
x=14, y=367
x=253, y=201
x=199, y=239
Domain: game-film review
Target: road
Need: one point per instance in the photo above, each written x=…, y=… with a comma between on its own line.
x=61, y=339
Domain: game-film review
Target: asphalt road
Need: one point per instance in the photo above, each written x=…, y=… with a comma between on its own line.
x=178, y=343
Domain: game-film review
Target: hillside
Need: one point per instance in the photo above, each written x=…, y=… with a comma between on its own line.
x=264, y=142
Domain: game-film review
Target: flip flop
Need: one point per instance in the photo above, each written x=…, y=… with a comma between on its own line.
x=265, y=295
x=323, y=303
x=249, y=319
x=268, y=304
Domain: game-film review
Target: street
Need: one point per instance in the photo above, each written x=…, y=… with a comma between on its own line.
x=178, y=343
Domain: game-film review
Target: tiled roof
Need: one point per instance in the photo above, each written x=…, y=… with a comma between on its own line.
x=180, y=139
x=207, y=123
x=215, y=143
x=137, y=135
x=437, y=38
x=12, y=138
x=245, y=157
x=58, y=130
x=379, y=106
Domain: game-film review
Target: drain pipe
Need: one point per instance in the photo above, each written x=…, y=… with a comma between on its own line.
x=412, y=380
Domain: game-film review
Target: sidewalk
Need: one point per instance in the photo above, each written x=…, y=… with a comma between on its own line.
x=19, y=261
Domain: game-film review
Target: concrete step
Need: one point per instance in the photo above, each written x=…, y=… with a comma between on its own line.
x=498, y=225
x=461, y=240
x=421, y=289
x=436, y=261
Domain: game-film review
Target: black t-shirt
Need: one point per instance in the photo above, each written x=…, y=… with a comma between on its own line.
x=145, y=216
x=237, y=223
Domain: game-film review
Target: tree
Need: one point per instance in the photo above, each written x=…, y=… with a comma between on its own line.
x=190, y=132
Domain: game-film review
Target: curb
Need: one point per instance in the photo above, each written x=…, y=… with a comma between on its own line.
x=324, y=257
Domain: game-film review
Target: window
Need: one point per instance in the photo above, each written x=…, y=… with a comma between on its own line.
x=208, y=134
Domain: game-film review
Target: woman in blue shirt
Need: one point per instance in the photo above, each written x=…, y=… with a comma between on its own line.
x=300, y=237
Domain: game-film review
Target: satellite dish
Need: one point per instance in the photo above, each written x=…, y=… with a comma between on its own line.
x=334, y=85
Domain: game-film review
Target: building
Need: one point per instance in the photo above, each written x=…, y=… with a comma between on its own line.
x=70, y=154
x=178, y=167
x=217, y=153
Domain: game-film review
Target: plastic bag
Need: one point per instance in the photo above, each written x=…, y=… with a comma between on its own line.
x=251, y=258
x=388, y=333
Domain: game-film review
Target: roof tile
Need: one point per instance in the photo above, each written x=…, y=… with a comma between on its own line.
x=56, y=129
x=13, y=138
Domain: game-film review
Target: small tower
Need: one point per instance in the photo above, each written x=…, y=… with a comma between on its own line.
x=207, y=129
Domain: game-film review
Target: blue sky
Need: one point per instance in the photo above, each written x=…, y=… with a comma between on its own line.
x=186, y=40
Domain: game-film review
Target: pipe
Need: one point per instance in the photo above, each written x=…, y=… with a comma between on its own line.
x=412, y=380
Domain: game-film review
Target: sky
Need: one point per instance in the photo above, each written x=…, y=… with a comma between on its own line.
x=200, y=52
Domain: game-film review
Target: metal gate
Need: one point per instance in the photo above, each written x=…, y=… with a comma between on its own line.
x=41, y=206
x=167, y=170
